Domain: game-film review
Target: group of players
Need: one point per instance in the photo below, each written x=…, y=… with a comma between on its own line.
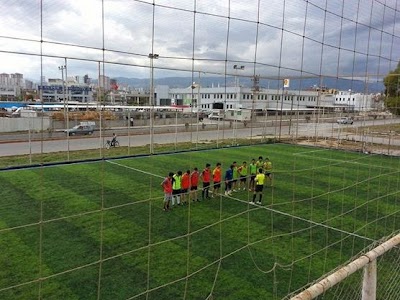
x=180, y=188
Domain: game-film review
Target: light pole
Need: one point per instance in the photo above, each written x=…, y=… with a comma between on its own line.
x=254, y=92
x=62, y=68
x=152, y=57
x=349, y=103
x=236, y=67
x=237, y=88
x=194, y=85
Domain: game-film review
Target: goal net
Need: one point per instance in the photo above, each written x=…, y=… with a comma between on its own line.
x=102, y=99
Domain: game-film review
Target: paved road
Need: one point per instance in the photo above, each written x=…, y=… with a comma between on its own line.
x=332, y=130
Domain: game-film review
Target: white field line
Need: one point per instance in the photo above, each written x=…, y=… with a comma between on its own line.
x=340, y=161
x=266, y=208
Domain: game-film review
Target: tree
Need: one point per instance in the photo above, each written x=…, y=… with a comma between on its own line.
x=392, y=90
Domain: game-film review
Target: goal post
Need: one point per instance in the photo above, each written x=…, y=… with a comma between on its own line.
x=366, y=261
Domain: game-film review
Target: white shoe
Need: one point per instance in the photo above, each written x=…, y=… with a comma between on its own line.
x=234, y=190
x=252, y=203
x=250, y=190
x=230, y=193
x=226, y=193
x=258, y=202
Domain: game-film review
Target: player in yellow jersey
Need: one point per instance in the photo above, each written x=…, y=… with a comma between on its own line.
x=260, y=178
x=268, y=169
x=243, y=171
x=253, y=173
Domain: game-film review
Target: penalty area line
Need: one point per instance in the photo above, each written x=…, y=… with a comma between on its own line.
x=264, y=207
x=305, y=220
x=134, y=169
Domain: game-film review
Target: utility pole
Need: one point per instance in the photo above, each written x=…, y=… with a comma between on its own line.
x=255, y=90
x=152, y=57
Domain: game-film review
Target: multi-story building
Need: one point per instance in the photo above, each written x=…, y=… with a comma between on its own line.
x=57, y=91
x=11, y=86
x=105, y=82
x=283, y=100
x=86, y=79
x=353, y=101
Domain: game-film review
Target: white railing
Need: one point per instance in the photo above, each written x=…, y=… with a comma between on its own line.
x=366, y=261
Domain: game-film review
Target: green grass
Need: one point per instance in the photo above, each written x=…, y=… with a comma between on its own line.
x=78, y=226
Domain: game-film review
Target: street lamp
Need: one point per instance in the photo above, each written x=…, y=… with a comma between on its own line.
x=152, y=57
x=349, y=102
x=62, y=69
x=198, y=105
x=237, y=88
x=236, y=67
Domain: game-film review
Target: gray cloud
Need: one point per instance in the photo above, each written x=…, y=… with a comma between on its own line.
x=311, y=41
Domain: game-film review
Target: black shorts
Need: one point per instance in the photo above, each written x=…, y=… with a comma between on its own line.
x=228, y=185
x=206, y=184
x=243, y=178
x=176, y=192
x=252, y=177
x=193, y=188
x=268, y=174
x=217, y=184
x=184, y=190
x=259, y=188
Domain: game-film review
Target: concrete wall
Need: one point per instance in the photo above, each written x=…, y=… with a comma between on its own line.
x=24, y=124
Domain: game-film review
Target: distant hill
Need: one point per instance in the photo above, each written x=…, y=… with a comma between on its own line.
x=295, y=84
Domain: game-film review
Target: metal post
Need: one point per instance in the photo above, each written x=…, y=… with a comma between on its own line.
x=369, y=282
x=198, y=111
x=67, y=96
x=129, y=131
x=30, y=139
x=176, y=129
x=100, y=110
x=62, y=68
x=66, y=123
x=152, y=56
x=237, y=88
x=364, y=260
x=255, y=90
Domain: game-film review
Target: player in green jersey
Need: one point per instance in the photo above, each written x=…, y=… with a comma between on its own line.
x=243, y=171
x=253, y=173
x=260, y=178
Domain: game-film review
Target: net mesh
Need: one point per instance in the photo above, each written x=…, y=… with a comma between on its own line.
x=81, y=221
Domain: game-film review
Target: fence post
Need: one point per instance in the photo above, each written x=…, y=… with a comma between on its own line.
x=364, y=260
x=369, y=281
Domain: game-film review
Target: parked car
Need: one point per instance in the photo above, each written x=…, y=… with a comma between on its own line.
x=345, y=120
x=80, y=129
x=216, y=116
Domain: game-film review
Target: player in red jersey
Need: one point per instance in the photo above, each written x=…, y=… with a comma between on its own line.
x=185, y=186
x=206, y=177
x=167, y=187
x=216, y=179
x=194, y=181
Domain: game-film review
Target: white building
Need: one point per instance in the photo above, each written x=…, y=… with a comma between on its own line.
x=55, y=91
x=353, y=101
x=208, y=98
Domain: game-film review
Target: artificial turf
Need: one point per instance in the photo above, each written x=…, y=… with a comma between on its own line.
x=81, y=230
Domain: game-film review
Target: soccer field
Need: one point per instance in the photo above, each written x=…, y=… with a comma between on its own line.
x=97, y=230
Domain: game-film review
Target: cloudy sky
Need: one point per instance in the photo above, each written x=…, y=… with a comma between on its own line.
x=271, y=38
